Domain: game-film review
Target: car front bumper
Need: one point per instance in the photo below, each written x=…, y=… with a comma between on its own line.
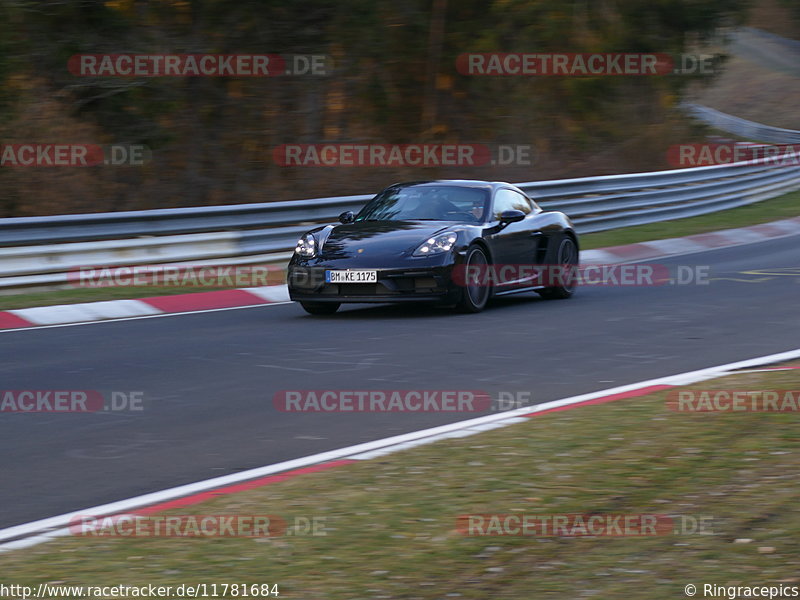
x=423, y=284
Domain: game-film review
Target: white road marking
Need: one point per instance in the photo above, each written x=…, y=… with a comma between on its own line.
x=270, y=293
x=674, y=245
x=175, y=314
x=85, y=311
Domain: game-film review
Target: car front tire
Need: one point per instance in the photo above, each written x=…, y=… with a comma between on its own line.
x=476, y=293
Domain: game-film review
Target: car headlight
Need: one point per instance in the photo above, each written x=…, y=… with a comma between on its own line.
x=306, y=246
x=443, y=242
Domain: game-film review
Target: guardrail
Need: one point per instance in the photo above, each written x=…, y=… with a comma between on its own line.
x=742, y=127
x=41, y=250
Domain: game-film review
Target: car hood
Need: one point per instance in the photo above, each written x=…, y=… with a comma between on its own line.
x=380, y=237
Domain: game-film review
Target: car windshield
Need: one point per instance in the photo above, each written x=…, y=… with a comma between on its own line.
x=427, y=203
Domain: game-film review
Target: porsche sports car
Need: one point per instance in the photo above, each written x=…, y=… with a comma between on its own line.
x=435, y=241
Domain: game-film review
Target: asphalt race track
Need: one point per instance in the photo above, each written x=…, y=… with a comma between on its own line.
x=209, y=378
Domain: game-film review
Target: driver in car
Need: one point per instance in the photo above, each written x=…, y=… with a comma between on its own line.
x=477, y=209
x=437, y=206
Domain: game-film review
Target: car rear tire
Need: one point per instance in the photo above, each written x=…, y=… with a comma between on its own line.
x=476, y=293
x=320, y=308
x=563, y=253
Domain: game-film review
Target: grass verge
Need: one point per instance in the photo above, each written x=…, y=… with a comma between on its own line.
x=783, y=207
x=390, y=522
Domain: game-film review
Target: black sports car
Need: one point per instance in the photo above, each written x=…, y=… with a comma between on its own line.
x=454, y=242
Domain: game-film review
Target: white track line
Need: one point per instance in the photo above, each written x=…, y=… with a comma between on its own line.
x=85, y=312
x=42, y=530
x=171, y=314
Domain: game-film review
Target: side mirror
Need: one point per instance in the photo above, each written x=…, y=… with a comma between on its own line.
x=347, y=217
x=511, y=216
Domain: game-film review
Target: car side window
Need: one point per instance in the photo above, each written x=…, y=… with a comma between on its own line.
x=505, y=199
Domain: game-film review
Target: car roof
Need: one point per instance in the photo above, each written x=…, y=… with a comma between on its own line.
x=467, y=183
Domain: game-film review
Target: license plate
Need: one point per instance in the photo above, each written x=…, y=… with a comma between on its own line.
x=351, y=276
